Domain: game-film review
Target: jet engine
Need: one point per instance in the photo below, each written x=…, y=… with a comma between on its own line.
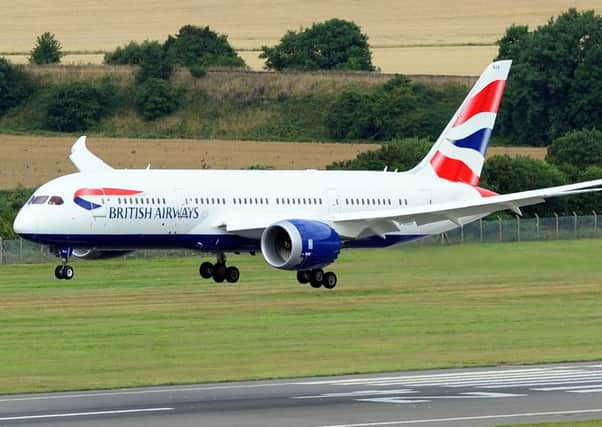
x=300, y=244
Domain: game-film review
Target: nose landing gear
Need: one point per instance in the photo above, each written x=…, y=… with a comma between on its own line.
x=219, y=271
x=64, y=271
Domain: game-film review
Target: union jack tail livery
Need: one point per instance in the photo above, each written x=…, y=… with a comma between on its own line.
x=458, y=154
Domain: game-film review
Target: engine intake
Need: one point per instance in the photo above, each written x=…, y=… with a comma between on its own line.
x=300, y=244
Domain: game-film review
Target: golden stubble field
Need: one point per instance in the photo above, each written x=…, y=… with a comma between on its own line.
x=30, y=161
x=431, y=36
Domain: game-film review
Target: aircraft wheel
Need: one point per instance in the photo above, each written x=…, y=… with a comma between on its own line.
x=58, y=272
x=206, y=270
x=303, y=277
x=330, y=280
x=232, y=274
x=317, y=278
x=68, y=272
x=219, y=272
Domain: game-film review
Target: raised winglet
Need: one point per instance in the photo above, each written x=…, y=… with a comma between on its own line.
x=84, y=160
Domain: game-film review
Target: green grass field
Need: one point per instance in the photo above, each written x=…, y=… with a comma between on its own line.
x=141, y=322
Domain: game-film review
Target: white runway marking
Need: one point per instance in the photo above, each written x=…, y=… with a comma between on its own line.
x=565, y=388
x=476, y=417
x=83, y=414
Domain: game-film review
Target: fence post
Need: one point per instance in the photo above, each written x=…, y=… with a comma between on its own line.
x=537, y=226
x=595, y=223
x=557, y=230
x=499, y=221
x=575, y=223
x=518, y=228
x=481, y=230
x=20, y=251
x=1, y=252
x=461, y=233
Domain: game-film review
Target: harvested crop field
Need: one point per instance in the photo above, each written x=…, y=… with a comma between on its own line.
x=398, y=31
x=32, y=160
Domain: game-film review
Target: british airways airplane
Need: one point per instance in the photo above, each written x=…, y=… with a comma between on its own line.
x=298, y=220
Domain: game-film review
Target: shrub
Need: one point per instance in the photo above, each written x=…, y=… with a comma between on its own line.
x=10, y=203
x=401, y=155
x=576, y=151
x=332, y=45
x=78, y=106
x=156, y=98
x=154, y=63
x=129, y=54
x=48, y=50
x=194, y=46
x=197, y=71
x=15, y=86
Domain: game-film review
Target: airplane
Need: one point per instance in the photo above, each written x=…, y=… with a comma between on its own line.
x=298, y=220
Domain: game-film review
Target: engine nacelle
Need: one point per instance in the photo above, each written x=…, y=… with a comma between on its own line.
x=300, y=244
x=98, y=254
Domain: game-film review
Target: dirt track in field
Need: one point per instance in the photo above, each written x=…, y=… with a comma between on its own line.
x=30, y=161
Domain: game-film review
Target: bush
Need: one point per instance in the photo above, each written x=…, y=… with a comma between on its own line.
x=10, y=203
x=398, y=109
x=402, y=155
x=576, y=151
x=332, y=45
x=154, y=63
x=48, y=50
x=78, y=106
x=156, y=98
x=129, y=54
x=504, y=174
x=200, y=46
x=197, y=71
x=15, y=86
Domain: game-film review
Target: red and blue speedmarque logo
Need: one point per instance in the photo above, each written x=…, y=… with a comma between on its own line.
x=86, y=204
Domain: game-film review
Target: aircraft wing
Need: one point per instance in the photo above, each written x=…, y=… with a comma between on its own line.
x=379, y=222
x=354, y=223
x=84, y=160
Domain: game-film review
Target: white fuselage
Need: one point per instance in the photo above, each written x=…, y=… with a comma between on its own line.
x=194, y=208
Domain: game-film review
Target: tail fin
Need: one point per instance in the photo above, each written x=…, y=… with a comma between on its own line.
x=458, y=154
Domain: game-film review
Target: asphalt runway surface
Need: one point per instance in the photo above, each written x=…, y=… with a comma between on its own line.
x=457, y=397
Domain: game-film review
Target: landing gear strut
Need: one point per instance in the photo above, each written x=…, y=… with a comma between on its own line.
x=64, y=271
x=219, y=271
x=317, y=278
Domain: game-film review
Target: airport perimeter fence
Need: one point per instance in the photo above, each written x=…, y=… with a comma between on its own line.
x=492, y=229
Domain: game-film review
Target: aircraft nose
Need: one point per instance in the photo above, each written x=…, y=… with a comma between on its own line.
x=25, y=223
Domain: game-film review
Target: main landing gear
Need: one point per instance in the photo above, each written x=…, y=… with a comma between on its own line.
x=64, y=271
x=317, y=278
x=219, y=271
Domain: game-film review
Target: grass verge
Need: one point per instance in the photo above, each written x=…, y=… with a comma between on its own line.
x=141, y=322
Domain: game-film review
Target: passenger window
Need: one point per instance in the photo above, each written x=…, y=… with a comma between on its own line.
x=55, y=200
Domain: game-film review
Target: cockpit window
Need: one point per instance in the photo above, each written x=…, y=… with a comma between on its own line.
x=55, y=200
x=38, y=200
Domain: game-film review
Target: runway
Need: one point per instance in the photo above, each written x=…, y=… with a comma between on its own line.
x=458, y=397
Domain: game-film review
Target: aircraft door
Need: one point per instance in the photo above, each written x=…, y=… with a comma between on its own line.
x=332, y=198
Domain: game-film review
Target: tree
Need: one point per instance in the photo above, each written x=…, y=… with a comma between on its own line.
x=78, y=106
x=15, y=85
x=576, y=151
x=156, y=98
x=504, y=174
x=402, y=155
x=554, y=85
x=201, y=46
x=48, y=50
x=332, y=45
x=130, y=54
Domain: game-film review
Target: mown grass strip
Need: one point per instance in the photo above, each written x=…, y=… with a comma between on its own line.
x=141, y=322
